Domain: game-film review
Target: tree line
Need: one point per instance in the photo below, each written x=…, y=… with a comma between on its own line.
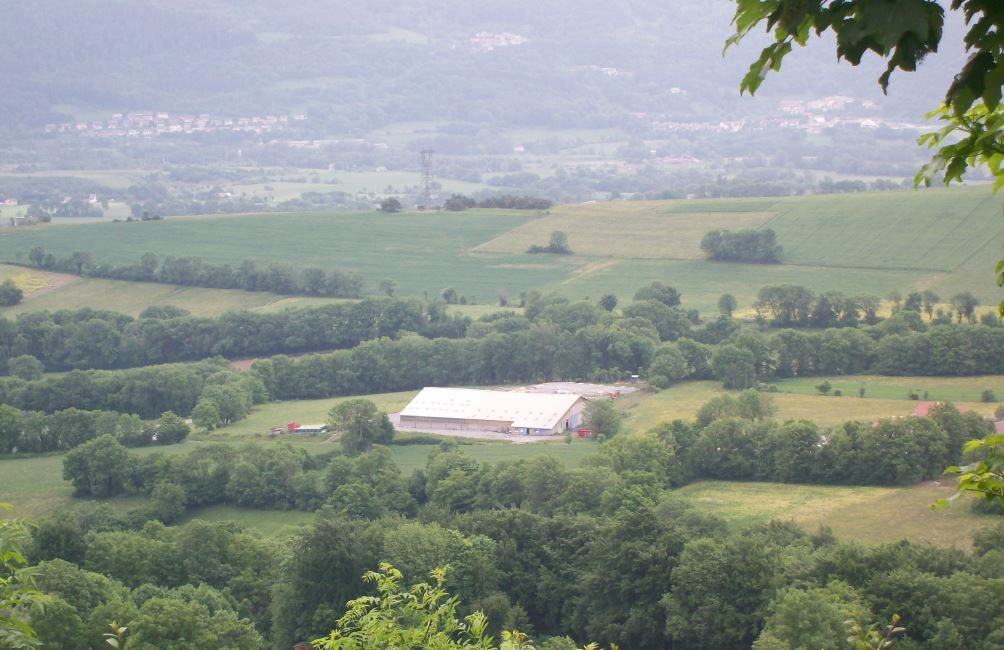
x=796, y=306
x=87, y=338
x=574, y=341
x=195, y=272
x=39, y=432
x=147, y=392
x=543, y=353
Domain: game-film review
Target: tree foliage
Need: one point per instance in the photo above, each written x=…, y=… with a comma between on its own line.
x=18, y=595
x=360, y=425
x=758, y=246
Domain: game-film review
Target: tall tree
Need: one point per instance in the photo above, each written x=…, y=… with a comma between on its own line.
x=360, y=425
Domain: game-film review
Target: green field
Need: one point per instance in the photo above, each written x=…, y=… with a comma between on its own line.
x=947, y=240
x=865, y=514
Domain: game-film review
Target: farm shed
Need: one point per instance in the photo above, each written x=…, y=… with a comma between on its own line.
x=467, y=409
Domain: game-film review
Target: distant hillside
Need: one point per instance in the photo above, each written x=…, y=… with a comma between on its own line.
x=354, y=66
x=875, y=243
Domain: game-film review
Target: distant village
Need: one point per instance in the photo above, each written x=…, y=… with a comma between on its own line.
x=812, y=116
x=150, y=124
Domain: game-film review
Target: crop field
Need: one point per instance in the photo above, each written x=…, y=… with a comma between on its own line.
x=28, y=280
x=865, y=514
x=133, y=297
x=422, y=253
x=932, y=230
x=268, y=523
x=114, y=178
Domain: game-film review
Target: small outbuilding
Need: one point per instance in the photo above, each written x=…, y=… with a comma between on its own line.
x=467, y=409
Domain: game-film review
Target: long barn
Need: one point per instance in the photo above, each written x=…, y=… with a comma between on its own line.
x=467, y=409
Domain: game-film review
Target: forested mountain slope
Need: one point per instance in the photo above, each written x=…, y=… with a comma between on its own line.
x=359, y=66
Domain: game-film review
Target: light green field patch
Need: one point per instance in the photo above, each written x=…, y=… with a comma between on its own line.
x=935, y=389
x=932, y=230
x=269, y=523
x=865, y=514
x=626, y=230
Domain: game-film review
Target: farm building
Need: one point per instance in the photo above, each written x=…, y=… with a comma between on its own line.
x=466, y=409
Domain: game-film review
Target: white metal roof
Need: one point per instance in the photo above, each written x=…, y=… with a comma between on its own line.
x=523, y=410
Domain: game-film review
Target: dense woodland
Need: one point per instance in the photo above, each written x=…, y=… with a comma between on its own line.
x=605, y=552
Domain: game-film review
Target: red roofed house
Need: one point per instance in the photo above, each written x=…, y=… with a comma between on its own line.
x=924, y=408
